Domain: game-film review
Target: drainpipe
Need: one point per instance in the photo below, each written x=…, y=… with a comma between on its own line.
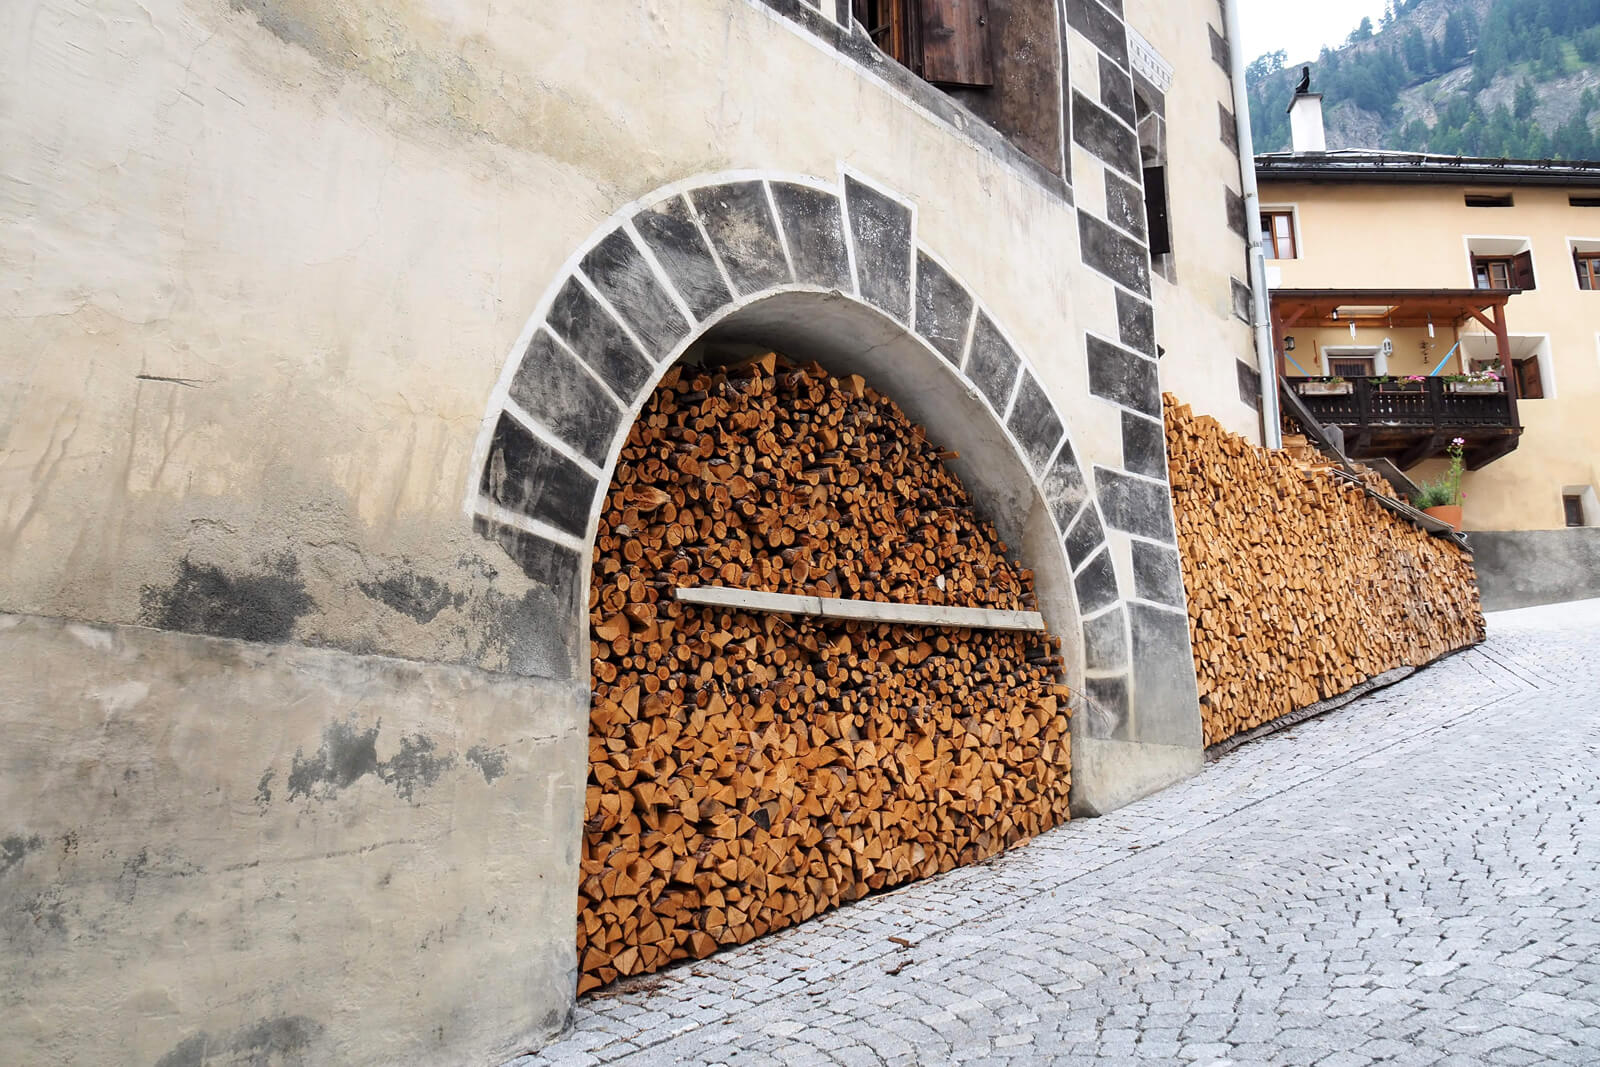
x=1260, y=308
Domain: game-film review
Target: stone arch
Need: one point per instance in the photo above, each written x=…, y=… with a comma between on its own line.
x=799, y=262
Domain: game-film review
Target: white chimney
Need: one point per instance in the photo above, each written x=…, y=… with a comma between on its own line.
x=1305, y=123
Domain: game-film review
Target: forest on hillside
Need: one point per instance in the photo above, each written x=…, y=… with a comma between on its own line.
x=1521, y=80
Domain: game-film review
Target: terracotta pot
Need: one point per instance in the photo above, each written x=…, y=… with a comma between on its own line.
x=1450, y=513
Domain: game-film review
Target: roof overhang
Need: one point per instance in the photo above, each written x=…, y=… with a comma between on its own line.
x=1412, y=168
x=1385, y=307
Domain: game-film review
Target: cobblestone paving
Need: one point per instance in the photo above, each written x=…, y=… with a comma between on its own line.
x=1413, y=879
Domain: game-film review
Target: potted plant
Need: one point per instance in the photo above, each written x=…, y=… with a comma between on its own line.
x=1480, y=382
x=1334, y=386
x=1389, y=383
x=1442, y=498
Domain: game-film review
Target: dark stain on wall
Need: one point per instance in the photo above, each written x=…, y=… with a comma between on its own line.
x=14, y=848
x=414, y=765
x=263, y=606
x=414, y=595
x=264, y=792
x=491, y=761
x=347, y=755
x=132, y=870
x=284, y=1040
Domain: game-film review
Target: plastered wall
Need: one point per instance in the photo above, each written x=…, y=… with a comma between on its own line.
x=1340, y=247
x=293, y=747
x=1202, y=300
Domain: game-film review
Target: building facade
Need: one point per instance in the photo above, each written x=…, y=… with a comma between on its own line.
x=326, y=326
x=1394, y=266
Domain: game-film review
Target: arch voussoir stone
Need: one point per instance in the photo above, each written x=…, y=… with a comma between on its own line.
x=665, y=272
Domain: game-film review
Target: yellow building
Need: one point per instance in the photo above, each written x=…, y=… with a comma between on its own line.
x=1386, y=268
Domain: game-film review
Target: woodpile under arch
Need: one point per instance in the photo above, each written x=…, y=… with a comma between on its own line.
x=750, y=770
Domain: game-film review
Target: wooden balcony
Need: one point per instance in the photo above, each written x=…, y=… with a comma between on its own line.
x=1407, y=423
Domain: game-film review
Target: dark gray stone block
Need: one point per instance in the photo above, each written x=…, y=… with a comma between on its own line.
x=813, y=226
x=589, y=329
x=992, y=367
x=1147, y=99
x=619, y=271
x=1105, y=713
x=1064, y=487
x=1144, y=446
x=554, y=388
x=1243, y=299
x=944, y=309
x=1125, y=205
x=1234, y=205
x=1085, y=537
x=675, y=240
x=1114, y=254
x=1097, y=584
x=1157, y=574
x=1104, y=29
x=1163, y=676
x=1116, y=91
x=1135, y=505
x=540, y=641
x=528, y=476
x=1104, y=135
x=744, y=234
x=1034, y=422
x=1123, y=377
x=1249, y=382
x=1219, y=48
x=881, y=229
x=1136, y=323
x=1105, y=641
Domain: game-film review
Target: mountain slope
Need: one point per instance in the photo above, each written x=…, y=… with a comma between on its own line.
x=1516, y=78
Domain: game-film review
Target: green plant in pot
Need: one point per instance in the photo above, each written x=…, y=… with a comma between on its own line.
x=1442, y=498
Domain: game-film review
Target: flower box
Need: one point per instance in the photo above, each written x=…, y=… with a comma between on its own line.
x=1477, y=388
x=1399, y=387
x=1326, y=388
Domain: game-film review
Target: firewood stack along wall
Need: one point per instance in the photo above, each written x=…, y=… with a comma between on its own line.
x=1300, y=587
x=748, y=771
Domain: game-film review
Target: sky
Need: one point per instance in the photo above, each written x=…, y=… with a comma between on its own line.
x=1301, y=27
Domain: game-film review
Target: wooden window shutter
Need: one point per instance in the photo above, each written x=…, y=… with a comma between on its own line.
x=1522, y=271
x=1530, y=385
x=955, y=42
x=1155, y=210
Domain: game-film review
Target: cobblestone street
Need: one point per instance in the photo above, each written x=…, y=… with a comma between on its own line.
x=1413, y=879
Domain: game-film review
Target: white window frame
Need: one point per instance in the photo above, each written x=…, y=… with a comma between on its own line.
x=1380, y=362
x=1496, y=240
x=1591, y=505
x=1584, y=245
x=1294, y=223
x=1543, y=352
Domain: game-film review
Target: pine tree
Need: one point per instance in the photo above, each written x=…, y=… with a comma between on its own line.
x=1455, y=37
x=1526, y=101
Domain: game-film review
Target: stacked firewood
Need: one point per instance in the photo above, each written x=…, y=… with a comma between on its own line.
x=748, y=771
x=1301, y=587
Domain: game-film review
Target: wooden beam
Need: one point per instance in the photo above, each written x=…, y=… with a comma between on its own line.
x=861, y=610
x=1421, y=451
x=1480, y=457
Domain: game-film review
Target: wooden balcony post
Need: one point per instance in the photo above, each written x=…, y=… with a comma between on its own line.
x=1503, y=341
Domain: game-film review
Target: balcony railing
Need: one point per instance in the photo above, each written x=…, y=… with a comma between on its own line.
x=1412, y=421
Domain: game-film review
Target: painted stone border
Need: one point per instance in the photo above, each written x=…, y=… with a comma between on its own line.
x=675, y=263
